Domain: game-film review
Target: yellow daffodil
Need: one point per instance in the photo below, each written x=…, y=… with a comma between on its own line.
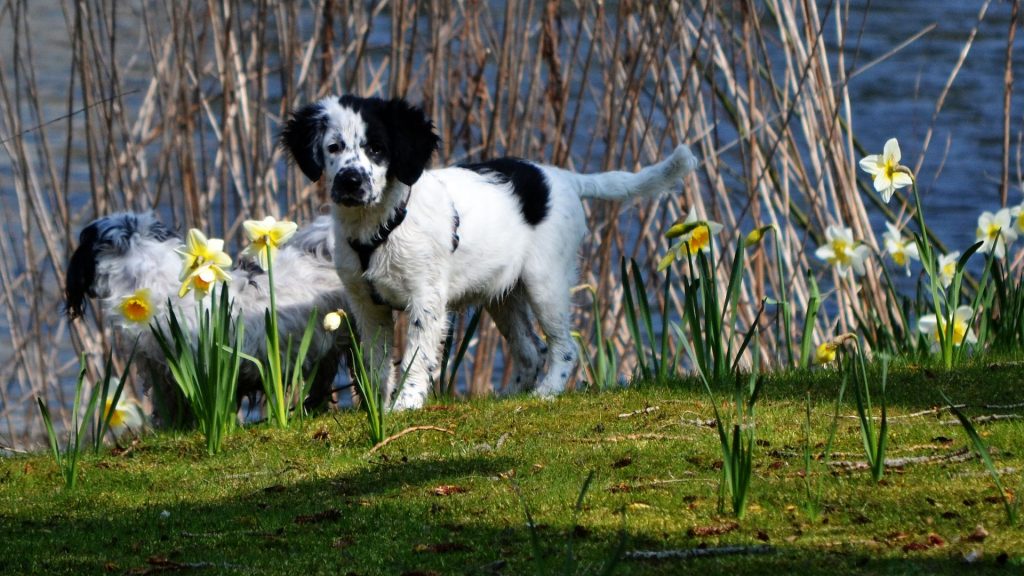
x=266, y=236
x=996, y=231
x=947, y=268
x=842, y=251
x=888, y=174
x=332, y=321
x=137, y=308
x=962, y=332
x=202, y=262
x=125, y=417
x=901, y=249
x=693, y=234
x=826, y=353
x=203, y=279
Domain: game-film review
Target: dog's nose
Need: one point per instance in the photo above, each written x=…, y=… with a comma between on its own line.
x=347, y=187
x=348, y=181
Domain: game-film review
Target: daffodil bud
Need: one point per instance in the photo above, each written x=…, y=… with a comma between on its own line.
x=332, y=321
x=756, y=235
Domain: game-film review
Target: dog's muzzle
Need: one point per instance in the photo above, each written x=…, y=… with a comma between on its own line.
x=350, y=188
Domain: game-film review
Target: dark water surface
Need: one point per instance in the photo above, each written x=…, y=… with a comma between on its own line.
x=962, y=167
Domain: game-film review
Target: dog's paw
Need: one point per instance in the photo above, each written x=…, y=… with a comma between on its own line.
x=408, y=400
x=547, y=391
x=544, y=394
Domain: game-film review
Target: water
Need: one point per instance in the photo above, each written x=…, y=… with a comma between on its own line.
x=959, y=176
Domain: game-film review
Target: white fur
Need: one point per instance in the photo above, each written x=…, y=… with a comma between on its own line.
x=509, y=266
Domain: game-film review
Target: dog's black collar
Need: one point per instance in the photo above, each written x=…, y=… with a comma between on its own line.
x=366, y=249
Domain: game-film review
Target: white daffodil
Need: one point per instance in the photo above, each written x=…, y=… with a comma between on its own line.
x=126, y=417
x=842, y=251
x=996, y=231
x=1017, y=215
x=962, y=331
x=947, y=268
x=901, y=249
x=265, y=237
x=888, y=174
x=138, y=307
x=693, y=234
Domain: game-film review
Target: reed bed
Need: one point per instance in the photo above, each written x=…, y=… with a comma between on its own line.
x=176, y=106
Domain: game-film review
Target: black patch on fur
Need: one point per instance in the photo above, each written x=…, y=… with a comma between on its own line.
x=527, y=181
x=81, y=272
x=398, y=131
x=302, y=137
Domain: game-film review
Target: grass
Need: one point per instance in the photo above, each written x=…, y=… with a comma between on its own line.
x=311, y=500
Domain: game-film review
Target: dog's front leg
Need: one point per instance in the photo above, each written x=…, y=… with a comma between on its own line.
x=376, y=334
x=427, y=324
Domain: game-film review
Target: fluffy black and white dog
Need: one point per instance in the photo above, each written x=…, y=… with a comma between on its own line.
x=503, y=233
x=122, y=253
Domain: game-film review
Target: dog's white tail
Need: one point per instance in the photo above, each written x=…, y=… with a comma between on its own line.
x=649, y=181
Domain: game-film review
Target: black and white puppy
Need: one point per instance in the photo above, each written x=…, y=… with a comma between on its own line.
x=124, y=252
x=503, y=233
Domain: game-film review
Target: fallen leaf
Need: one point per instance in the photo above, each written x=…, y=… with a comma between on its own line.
x=442, y=547
x=329, y=515
x=622, y=462
x=762, y=536
x=978, y=535
x=449, y=489
x=322, y=435
x=936, y=540
x=620, y=487
x=915, y=547
x=713, y=530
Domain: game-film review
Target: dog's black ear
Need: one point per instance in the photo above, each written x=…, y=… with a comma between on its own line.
x=302, y=138
x=81, y=272
x=412, y=140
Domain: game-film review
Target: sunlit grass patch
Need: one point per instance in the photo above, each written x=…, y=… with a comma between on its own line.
x=311, y=497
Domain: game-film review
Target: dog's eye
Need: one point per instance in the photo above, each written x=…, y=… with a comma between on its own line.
x=334, y=147
x=373, y=150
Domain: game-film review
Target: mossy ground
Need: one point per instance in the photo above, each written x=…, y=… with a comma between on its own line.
x=311, y=500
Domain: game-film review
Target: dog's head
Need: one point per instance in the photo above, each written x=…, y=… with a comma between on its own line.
x=104, y=238
x=362, y=144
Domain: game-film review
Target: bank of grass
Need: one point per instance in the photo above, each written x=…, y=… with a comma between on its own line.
x=312, y=500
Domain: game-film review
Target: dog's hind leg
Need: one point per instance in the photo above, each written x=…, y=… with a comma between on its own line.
x=549, y=297
x=511, y=315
